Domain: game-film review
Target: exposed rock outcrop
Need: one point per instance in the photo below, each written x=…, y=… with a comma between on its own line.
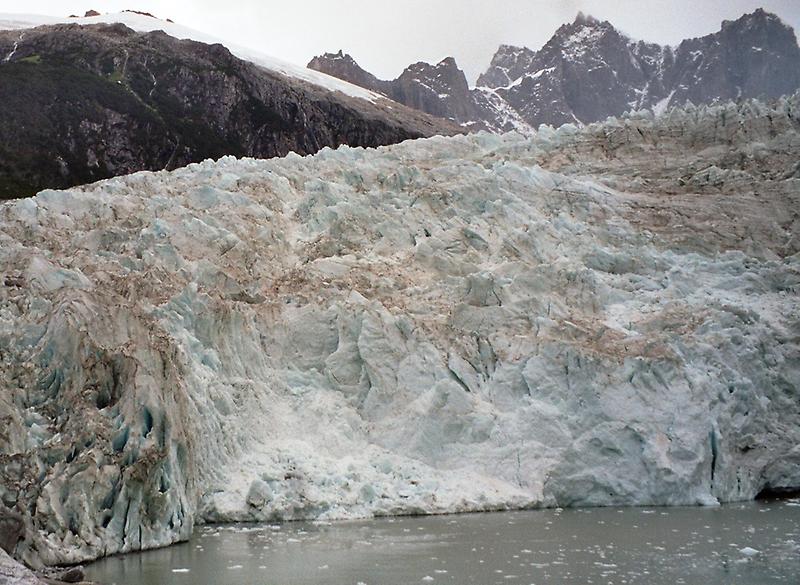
x=82, y=103
x=586, y=317
x=589, y=70
x=439, y=90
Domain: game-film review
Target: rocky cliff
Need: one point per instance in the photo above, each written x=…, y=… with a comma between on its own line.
x=440, y=90
x=594, y=316
x=82, y=103
x=589, y=70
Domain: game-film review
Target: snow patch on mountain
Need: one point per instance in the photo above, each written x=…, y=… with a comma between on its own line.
x=503, y=117
x=661, y=106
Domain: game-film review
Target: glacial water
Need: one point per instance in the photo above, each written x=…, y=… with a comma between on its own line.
x=749, y=544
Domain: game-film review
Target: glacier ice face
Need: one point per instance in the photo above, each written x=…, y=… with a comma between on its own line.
x=585, y=317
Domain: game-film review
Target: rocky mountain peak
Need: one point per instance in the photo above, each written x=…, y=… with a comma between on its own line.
x=446, y=70
x=758, y=17
x=754, y=56
x=586, y=20
x=759, y=24
x=509, y=63
x=345, y=67
x=584, y=36
x=344, y=59
x=440, y=89
x=589, y=70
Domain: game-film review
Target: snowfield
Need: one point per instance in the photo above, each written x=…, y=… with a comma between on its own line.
x=143, y=23
x=592, y=316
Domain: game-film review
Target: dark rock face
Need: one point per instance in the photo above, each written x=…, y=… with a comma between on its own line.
x=344, y=67
x=440, y=90
x=754, y=56
x=586, y=72
x=79, y=104
x=589, y=71
x=508, y=64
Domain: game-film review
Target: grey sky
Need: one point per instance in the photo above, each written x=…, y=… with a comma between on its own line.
x=386, y=36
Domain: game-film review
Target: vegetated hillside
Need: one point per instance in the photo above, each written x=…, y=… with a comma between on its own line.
x=82, y=103
x=596, y=316
x=589, y=70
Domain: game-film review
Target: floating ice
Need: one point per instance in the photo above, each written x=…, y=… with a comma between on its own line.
x=748, y=551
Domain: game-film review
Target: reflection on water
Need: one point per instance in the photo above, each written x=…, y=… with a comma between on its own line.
x=751, y=544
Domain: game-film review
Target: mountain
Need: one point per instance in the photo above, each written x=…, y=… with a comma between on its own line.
x=82, y=102
x=589, y=71
x=468, y=323
x=439, y=90
x=754, y=56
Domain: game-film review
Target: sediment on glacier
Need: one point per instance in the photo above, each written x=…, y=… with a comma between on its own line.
x=594, y=316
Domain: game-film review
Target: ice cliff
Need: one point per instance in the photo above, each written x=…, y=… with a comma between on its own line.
x=594, y=316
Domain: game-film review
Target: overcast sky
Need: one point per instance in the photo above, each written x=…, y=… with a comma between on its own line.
x=385, y=36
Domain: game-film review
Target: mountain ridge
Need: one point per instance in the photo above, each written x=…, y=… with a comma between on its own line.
x=79, y=103
x=589, y=70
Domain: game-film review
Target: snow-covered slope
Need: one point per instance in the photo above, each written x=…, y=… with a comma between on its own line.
x=586, y=317
x=143, y=23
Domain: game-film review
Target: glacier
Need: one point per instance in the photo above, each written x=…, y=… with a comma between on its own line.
x=588, y=316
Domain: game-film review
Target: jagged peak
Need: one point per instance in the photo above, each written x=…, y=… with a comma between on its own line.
x=586, y=20
x=585, y=25
x=512, y=49
x=506, y=52
x=758, y=16
x=578, y=37
x=340, y=55
x=446, y=63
